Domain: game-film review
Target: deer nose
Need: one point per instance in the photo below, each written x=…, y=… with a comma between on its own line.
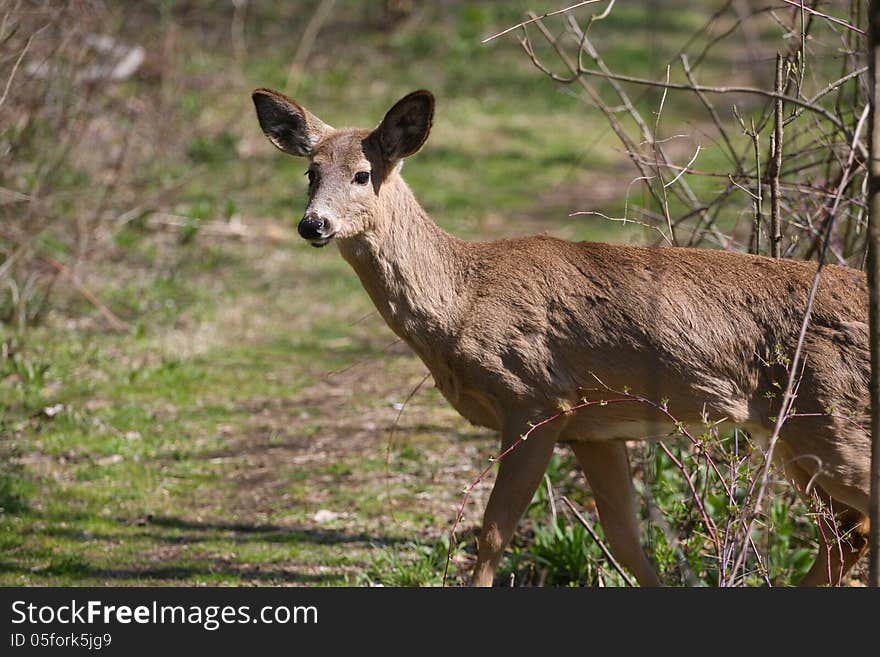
x=311, y=227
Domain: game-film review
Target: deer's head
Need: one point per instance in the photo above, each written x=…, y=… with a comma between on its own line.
x=348, y=168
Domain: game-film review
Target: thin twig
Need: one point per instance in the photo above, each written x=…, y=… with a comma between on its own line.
x=15, y=66
x=709, y=106
x=537, y=18
x=685, y=168
x=592, y=532
x=111, y=318
x=837, y=21
x=776, y=164
x=805, y=104
x=390, y=445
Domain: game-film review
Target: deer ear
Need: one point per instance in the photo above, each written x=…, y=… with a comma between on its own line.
x=290, y=127
x=405, y=127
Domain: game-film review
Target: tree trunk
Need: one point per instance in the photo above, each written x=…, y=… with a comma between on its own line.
x=874, y=284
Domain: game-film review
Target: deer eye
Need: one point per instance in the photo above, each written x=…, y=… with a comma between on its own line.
x=312, y=176
x=362, y=177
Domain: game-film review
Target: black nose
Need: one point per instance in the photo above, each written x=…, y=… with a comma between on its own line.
x=311, y=227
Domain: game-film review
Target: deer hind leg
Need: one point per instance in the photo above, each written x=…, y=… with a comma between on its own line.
x=519, y=474
x=606, y=467
x=843, y=539
x=843, y=532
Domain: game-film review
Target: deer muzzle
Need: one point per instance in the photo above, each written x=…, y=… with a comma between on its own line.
x=314, y=228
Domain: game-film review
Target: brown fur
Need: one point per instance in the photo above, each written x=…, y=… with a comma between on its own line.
x=515, y=330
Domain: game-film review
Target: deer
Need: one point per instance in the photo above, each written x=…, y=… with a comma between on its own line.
x=515, y=330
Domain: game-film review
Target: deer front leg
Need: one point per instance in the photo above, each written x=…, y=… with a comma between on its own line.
x=519, y=474
x=606, y=467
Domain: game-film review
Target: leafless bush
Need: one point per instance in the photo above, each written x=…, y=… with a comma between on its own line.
x=70, y=148
x=769, y=200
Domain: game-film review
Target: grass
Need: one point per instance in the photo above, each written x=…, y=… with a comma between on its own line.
x=257, y=387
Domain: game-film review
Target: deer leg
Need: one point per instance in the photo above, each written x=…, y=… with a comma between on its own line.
x=606, y=467
x=843, y=532
x=519, y=474
x=843, y=539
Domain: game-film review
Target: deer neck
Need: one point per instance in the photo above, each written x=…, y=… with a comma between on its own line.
x=411, y=268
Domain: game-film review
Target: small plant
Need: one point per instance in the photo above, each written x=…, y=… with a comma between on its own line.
x=15, y=489
x=22, y=377
x=559, y=555
x=560, y=552
x=411, y=564
x=791, y=537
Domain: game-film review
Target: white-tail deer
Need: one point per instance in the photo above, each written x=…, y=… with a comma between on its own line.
x=515, y=330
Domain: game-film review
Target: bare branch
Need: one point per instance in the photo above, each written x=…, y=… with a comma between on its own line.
x=537, y=18
x=592, y=532
x=818, y=109
x=800, y=5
